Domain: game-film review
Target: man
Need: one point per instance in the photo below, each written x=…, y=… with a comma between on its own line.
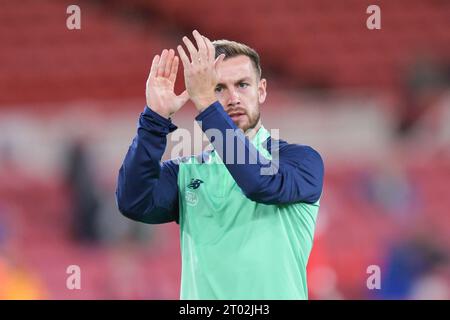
x=244, y=234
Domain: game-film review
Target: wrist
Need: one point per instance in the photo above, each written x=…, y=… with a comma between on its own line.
x=163, y=113
x=203, y=103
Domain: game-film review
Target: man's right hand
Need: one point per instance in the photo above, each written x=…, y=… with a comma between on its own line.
x=159, y=92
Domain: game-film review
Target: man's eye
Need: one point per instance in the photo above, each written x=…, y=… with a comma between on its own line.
x=243, y=85
x=218, y=89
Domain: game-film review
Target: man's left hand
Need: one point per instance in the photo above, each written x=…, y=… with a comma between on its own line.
x=200, y=74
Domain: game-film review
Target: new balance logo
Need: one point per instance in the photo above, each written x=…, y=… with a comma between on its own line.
x=195, y=183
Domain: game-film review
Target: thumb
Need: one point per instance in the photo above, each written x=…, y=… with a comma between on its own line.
x=219, y=59
x=183, y=97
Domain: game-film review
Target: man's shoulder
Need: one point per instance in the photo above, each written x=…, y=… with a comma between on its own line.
x=294, y=149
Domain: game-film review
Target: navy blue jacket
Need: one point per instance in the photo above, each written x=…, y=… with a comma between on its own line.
x=298, y=176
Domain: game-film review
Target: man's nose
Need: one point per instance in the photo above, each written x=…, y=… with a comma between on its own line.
x=233, y=99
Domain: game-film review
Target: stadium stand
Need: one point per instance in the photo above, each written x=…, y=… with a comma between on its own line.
x=305, y=45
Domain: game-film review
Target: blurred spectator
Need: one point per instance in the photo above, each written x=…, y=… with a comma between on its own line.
x=434, y=285
x=114, y=228
x=409, y=269
x=17, y=280
x=426, y=81
x=389, y=188
x=84, y=196
x=96, y=218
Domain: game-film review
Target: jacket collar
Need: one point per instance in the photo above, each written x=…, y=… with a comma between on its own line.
x=258, y=141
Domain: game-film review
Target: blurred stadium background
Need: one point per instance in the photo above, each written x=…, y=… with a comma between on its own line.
x=375, y=103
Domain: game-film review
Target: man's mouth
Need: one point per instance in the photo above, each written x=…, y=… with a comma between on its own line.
x=236, y=115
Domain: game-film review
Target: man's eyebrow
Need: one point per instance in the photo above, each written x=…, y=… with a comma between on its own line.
x=238, y=81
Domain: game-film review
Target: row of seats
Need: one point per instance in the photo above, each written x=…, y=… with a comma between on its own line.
x=354, y=235
x=322, y=43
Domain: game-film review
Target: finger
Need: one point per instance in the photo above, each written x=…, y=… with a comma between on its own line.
x=162, y=63
x=184, y=97
x=219, y=60
x=211, y=49
x=184, y=58
x=191, y=48
x=174, y=70
x=202, y=50
x=154, y=68
x=169, y=63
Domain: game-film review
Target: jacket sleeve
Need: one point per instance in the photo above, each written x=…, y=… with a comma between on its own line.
x=294, y=174
x=147, y=189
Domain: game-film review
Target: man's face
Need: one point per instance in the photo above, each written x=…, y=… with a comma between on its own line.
x=240, y=91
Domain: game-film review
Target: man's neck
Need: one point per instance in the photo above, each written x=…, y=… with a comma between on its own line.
x=251, y=133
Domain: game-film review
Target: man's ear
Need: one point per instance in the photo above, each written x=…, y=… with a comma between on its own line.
x=262, y=93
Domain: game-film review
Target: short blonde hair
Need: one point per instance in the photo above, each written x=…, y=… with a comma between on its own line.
x=233, y=49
